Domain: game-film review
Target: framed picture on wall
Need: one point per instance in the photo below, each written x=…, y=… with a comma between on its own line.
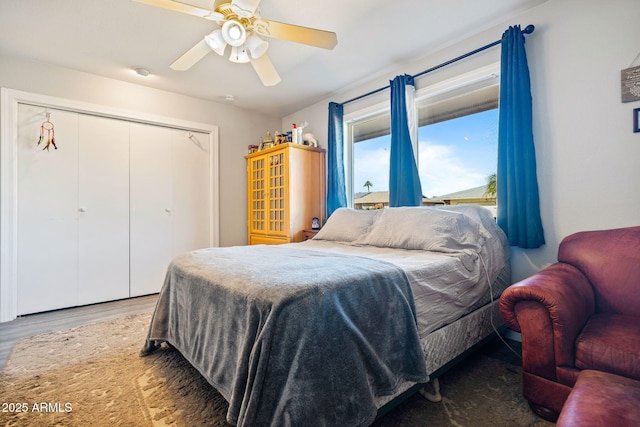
x=630, y=84
x=636, y=120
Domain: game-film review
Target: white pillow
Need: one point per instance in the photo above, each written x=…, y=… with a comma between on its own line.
x=484, y=217
x=347, y=225
x=496, y=251
x=424, y=229
x=477, y=212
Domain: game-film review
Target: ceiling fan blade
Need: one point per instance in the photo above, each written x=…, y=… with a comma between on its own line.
x=297, y=34
x=248, y=5
x=190, y=57
x=266, y=71
x=178, y=7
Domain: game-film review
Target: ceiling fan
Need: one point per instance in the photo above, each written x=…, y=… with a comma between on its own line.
x=241, y=28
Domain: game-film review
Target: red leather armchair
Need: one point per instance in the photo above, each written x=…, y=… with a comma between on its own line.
x=582, y=312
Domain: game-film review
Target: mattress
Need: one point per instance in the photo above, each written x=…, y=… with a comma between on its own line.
x=453, y=339
x=443, y=289
x=443, y=346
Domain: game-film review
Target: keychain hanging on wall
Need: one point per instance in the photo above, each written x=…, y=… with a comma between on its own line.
x=49, y=128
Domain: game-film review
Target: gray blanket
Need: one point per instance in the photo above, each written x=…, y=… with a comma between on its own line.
x=291, y=336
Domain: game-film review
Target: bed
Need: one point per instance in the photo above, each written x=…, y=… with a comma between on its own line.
x=332, y=330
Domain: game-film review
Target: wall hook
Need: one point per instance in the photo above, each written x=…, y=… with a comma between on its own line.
x=195, y=140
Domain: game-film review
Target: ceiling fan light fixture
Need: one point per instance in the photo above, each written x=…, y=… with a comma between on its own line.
x=234, y=33
x=256, y=46
x=241, y=26
x=239, y=55
x=216, y=42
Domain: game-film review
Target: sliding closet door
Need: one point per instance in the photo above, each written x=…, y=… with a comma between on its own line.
x=103, y=207
x=47, y=271
x=192, y=182
x=101, y=217
x=151, y=206
x=170, y=201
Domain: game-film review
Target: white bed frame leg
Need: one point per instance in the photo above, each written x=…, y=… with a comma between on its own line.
x=435, y=396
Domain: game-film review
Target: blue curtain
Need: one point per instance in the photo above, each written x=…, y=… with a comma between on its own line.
x=404, y=181
x=517, y=183
x=336, y=191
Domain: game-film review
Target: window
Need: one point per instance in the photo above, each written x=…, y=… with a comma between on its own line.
x=458, y=155
x=457, y=148
x=370, y=171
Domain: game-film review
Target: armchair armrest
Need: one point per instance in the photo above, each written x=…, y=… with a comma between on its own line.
x=550, y=308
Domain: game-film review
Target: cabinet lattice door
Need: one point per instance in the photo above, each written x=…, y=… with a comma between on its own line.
x=257, y=194
x=285, y=191
x=277, y=194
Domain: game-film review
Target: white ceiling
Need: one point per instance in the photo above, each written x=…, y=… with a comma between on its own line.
x=108, y=37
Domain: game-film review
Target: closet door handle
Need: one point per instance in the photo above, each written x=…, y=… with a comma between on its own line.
x=83, y=210
x=167, y=210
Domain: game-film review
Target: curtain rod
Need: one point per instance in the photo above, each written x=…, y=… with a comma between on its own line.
x=528, y=30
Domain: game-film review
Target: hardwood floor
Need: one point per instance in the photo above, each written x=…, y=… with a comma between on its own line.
x=58, y=320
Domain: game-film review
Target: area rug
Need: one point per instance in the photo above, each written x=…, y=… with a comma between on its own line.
x=93, y=376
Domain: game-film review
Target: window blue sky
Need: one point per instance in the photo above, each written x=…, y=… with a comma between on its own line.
x=454, y=155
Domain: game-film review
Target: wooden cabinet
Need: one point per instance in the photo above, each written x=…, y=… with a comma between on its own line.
x=286, y=189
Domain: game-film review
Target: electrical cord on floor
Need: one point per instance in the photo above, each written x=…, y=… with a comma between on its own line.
x=484, y=267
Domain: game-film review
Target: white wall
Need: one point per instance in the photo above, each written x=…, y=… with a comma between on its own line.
x=587, y=153
x=237, y=127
